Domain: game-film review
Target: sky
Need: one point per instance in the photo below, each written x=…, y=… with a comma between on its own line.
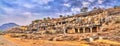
x=23, y=12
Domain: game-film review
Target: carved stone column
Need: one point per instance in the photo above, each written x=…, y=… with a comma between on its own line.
x=97, y=29
x=73, y=30
x=91, y=30
x=64, y=31
x=84, y=30
x=78, y=30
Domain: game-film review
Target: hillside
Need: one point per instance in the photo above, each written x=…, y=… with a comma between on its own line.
x=100, y=27
x=7, y=26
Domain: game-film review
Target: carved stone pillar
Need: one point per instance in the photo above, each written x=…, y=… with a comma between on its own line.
x=73, y=30
x=78, y=30
x=84, y=30
x=97, y=29
x=64, y=31
x=91, y=30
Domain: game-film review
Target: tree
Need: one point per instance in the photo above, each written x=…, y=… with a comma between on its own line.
x=48, y=18
x=84, y=9
x=60, y=16
x=116, y=6
x=44, y=18
x=36, y=21
x=68, y=15
x=73, y=14
x=95, y=8
x=1, y=32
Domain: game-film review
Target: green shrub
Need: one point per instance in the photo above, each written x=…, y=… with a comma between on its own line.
x=36, y=21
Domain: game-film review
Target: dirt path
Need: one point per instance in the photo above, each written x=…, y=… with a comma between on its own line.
x=30, y=42
x=4, y=42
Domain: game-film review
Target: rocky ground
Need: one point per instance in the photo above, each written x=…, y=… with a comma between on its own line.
x=29, y=42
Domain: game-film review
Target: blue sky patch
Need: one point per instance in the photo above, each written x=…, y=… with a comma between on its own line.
x=19, y=11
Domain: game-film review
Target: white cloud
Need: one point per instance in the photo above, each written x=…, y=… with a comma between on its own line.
x=42, y=1
x=100, y=1
x=91, y=0
x=67, y=5
x=29, y=10
x=23, y=19
x=75, y=10
x=8, y=10
x=85, y=4
x=12, y=11
x=102, y=6
x=66, y=0
x=47, y=7
x=28, y=5
x=18, y=16
x=29, y=14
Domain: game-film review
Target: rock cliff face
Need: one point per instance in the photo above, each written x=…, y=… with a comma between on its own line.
x=93, y=24
x=93, y=21
x=81, y=23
